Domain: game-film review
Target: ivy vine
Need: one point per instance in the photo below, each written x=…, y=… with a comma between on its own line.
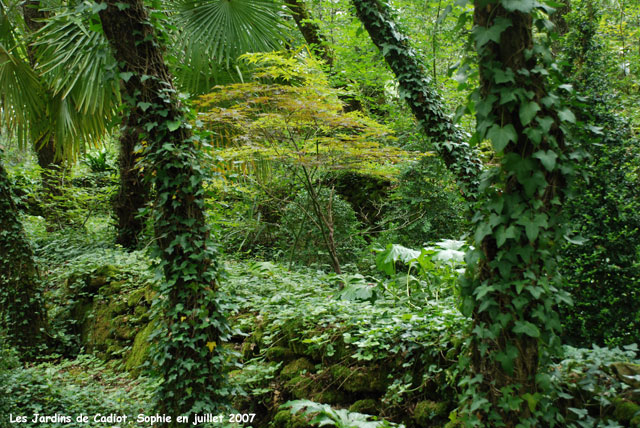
x=511, y=287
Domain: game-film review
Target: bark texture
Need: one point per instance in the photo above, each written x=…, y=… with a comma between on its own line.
x=417, y=90
x=134, y=191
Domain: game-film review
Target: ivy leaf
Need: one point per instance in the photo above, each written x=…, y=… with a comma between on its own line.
x=483, y=230
x=528, y=112
x=502, y=234
x=507, y=357
x=500, y=137
x=532, y=225
x=504, y=76
x=173, y=125
x=484, y=35
x=524, y=6
x=144, y=106
x=525, y=327
x=126, y=75
x=547, y=158
x=567, y=115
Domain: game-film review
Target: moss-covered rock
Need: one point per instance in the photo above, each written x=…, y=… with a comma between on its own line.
x=285, y=419
x=123, y=328
x=627, y=373
x=280, y=353
x=296, y=368
x=136, y=297
x=300, y=387
x=139, y=350
x=329, y=396
x=367, y=406
x=360, y=380
x=426, y=411
x=625, y=411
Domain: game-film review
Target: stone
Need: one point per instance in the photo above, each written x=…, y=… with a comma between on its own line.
x=296, y=367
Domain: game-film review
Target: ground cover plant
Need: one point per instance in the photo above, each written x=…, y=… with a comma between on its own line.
x=307, y=213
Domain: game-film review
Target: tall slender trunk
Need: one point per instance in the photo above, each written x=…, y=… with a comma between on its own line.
x=22, y=311
x=188, y=353
x=417, y=90
x=511, y=290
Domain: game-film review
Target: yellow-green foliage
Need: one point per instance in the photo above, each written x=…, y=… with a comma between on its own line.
x=294, y=118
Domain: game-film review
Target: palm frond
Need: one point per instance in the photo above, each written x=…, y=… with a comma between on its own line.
x=77, y=62
x=21, y=100
x=213, y=33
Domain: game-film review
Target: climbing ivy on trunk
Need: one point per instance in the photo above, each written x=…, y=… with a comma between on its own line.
x=416, y=88
x=22, y=312
x=187, y=351
x=512, y=283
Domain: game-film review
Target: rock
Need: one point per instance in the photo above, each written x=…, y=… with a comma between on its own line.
x=285, y=419
x=300, y=387
x=626, y=411
x=139, y=350
x=329, y=396
x=367, y=406
x=280, y=353
x=626, y=373
x=123, y=328
x=426, y=411
x=360, y=380
x=135, y=297
x=296, y=367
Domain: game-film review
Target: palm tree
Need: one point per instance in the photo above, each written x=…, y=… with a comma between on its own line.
x=207, y=39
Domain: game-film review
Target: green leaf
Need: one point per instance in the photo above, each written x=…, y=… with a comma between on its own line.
x=547, y=158
x=524, y=6
x=525, y=327
x=507, y=357
x=144, y=106
x=97, y=7
x=483, y=230
x=484, y=35
x=126, y=75
x=528, y=112
x=502, y=234
x=500, y=137
x=567, y=115
x=533, y=225
x=173, y=125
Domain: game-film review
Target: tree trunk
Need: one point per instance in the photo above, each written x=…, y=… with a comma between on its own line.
x=310, y=31
x=134, y=190
x=511, y=291
x=188, y=353
x=21, y=307
x=417, y=90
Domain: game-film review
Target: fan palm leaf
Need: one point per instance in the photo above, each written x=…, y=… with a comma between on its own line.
x=213, y=33
x=21, y=101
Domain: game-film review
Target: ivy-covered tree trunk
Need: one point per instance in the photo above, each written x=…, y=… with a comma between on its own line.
x=134, y=191
x=311, y=31
x=187, y=353
x=417, y=90
x=510, y=289
x=22, y=311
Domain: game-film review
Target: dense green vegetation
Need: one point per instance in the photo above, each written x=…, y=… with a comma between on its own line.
x=353, y=213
